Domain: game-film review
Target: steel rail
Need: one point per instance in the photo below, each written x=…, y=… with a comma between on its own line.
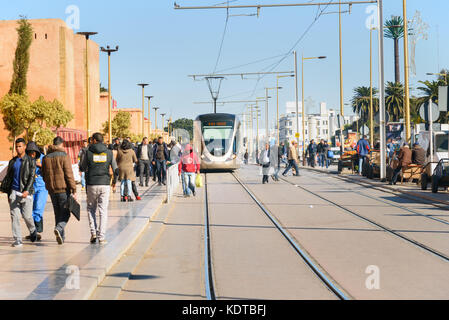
x=304, y=255
x=374, y=223
x=208, y=269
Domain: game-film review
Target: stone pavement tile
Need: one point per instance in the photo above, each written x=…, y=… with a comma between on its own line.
x=41, y=270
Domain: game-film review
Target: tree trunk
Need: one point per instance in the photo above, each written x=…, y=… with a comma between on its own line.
x=397, y=75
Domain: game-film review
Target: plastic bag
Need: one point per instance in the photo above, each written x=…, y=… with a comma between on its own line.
x=199, y=181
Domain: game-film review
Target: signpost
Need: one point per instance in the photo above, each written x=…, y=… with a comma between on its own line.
x=430, y=112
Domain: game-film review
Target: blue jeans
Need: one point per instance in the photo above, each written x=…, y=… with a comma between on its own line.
x=361, y=159
x=188, y=182
x=292, y=163
x=161, y=170
x=122, y=188
x=83, y=179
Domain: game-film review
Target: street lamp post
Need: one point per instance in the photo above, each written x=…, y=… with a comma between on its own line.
x=438, y=74
x=155, y=117
x=277, y=104
x=109, y=51
x=163, y=120
x=149, y=114
x=87, y=36
x=304, y=110
x=143, y=85
x=266, y=111
x=406, y=75
x=371, y=107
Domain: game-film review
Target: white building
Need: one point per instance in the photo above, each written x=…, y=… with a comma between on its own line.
x=318, y=126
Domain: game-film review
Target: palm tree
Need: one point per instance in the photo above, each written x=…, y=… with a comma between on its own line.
x=394, y=29
x=394, y=100
x=361, y=102
x=430, y=91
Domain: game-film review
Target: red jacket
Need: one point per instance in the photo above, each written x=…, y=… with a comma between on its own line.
x=189, y=163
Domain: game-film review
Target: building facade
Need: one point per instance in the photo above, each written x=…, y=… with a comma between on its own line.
x=317, y=126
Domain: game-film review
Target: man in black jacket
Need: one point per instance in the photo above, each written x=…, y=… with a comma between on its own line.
x=160, y=158
x=145, y=156
x=18, y=184
x=97, y=164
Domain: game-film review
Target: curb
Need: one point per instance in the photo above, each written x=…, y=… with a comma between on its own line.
x=92, y=274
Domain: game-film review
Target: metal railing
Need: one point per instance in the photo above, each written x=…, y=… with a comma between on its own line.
x=173, y=180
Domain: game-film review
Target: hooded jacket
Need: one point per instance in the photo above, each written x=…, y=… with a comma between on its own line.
x=189, y=161
x=126, y=157
x=57, y=171
x=39, y=183
x=96, y=164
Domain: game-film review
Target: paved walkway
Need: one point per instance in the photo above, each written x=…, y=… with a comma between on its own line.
x=45, y=270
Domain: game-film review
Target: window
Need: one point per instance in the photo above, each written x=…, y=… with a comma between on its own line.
x=45, y=36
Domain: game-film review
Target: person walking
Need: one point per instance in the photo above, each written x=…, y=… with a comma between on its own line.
x=98, y=165
x=115, y=174
x=264, y=162
x=40, y=191
x=125, y=162
x=245, y=157
x=312, y=151
x=175, y=151
x=81, y=154
x=280, y=156
x=58, y=177
x=405, y=158
x=319, y=150
x=292, y=159
x=18, y=185
x=144, y=157
x=324, y=155
x=189, y=167
x=363, y=149
x=160, y=158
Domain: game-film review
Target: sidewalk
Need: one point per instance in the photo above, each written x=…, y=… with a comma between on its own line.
x=47, y=271
x=408, y=188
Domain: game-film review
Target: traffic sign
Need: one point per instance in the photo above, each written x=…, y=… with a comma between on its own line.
x=377, y=117
x=365, y=129
x=424, y=112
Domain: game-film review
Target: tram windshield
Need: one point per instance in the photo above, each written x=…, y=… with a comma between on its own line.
x=218, y=137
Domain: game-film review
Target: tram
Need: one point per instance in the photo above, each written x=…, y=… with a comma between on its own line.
x=218, y=139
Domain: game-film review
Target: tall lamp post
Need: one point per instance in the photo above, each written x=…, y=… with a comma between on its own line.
x=277, y=104
x=149, y=113
x=163, y=120
x=86, y=70
x=408, y=134
x=371, y=107
x=266, y=112
x=155, y=117
x=304, y=110
x=143, y=85
x=109, y=52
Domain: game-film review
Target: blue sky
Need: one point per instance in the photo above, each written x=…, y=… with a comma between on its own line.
x=161, y=46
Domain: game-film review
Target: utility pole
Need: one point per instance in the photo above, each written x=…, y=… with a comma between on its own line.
x=406, y=78
x=143, y=85
x=383, y=147
x=109, y=51
x=342, y=107
x=86, y=70
x=297, y=98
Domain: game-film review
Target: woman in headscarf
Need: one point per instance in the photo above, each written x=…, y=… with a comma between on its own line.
x=126, y=157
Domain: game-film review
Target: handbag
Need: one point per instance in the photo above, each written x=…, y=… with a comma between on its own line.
x=74, y=207
x=199, y=181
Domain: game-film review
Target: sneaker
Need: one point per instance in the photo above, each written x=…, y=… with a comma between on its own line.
x=17, y=244
x=194, y=193
x=140, y=184
x=103, y=241
x=59, y=237
x=93, y=239
x=33, y=236
x=160, y=184
x=138, y=198
x=146, y=184
x=130, y=199
x=163, y=182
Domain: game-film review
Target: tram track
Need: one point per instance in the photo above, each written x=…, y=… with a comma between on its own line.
x=372, y=222
x=323, y=277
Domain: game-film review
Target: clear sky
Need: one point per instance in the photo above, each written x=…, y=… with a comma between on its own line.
x=161, y=46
